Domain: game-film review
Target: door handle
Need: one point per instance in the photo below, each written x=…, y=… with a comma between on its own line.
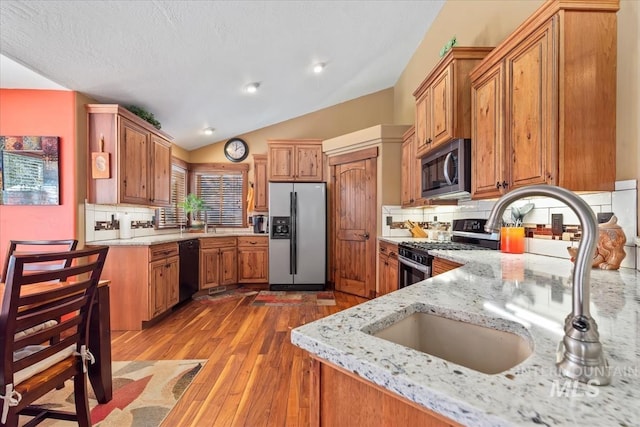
x=365, y=235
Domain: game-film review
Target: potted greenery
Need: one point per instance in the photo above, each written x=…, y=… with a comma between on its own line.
x=193, y=204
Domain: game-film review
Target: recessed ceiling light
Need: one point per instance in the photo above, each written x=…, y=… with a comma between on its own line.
x=318, y=68
x=252, y=87
x=209, y=131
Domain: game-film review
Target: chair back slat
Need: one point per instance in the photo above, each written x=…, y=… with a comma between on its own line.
x=55, y=293
x=37, y=246
x=69, y=292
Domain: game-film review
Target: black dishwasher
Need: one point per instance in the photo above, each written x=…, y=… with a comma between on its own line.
x=189, y=268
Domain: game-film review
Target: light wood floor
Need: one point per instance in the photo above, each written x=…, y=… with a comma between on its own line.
x=253, y=376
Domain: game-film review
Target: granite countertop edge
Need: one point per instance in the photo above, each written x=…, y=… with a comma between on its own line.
x=174, y=237
x=522, y=395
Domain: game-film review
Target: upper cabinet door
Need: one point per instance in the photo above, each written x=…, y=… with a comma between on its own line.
x=281, y=167
x=161, y=190
x=423, y=123
x=530, y=115
x=134, y=161
x=308, y=163
x=260, y=187
x=442, y=113
x=487, y=128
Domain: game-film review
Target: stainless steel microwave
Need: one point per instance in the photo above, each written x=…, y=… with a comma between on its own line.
x=446, y=171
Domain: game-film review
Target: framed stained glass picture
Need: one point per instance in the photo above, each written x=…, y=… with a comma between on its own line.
x=29, y=170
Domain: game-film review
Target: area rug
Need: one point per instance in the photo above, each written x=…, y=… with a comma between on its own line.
x=143, y=394
x=225, y=296
x=283, y=298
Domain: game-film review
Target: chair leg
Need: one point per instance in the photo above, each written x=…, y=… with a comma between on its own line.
x=12, y=420
x=81, y=398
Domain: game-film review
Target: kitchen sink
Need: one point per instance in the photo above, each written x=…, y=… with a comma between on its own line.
x=476, y=347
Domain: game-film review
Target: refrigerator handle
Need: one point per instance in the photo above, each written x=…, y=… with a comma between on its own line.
x=294, y=233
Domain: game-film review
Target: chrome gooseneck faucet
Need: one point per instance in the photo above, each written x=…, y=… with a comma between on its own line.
x=582, y=357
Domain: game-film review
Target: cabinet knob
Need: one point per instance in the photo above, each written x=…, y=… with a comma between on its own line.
x=498, y=184
x=505, y=184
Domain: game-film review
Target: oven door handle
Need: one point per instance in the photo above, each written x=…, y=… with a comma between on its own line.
x=412, y=264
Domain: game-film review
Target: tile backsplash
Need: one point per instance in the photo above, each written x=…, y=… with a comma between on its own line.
x=622, y=202
x=102, y=221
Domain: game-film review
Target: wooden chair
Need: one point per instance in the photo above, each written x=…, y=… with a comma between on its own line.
x=32, y=365
x=23, y=246
x=40, y=246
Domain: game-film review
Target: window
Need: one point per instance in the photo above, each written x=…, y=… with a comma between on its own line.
x=174, y=216
x=224, y=190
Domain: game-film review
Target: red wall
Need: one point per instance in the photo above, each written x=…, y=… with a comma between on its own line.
x=50, y=113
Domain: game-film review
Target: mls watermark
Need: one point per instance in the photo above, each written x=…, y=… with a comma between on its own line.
x=561, y=386
x=566, y=387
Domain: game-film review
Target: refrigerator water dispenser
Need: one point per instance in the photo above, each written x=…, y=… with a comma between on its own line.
x=281, y=227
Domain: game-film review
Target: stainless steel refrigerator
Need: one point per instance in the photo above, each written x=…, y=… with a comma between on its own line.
x=297, y=236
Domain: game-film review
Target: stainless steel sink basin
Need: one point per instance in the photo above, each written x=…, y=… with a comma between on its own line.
x=480, y=348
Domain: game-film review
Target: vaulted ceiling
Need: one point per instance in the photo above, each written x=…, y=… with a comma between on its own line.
x=188, y=62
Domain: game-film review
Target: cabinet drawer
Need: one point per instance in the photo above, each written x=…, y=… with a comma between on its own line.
x=253, y=241
x=389, y=249
x=217, y=242
x=164, y=250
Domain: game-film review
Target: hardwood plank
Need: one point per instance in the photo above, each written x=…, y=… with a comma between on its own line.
x=253, y=376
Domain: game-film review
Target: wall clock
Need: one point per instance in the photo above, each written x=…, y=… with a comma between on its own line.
x=236, y=150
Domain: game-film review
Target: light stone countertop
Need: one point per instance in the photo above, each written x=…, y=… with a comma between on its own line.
x=496, y=290
x=173, y=237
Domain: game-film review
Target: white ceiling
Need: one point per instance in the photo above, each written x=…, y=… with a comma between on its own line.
x=188, y=61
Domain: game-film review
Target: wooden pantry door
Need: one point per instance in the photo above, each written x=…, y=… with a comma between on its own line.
x=354, y=222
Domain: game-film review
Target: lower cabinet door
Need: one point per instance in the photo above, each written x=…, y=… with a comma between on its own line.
x=209, y=268
x=253, y=265
x=157, y=287
x=228, y=268
x=173, y=281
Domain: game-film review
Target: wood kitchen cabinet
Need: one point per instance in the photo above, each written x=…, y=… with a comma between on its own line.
x=253, y=259
x=163, y=278
x=337, y=395
x=218, y=259
x=410, y=173
x=542, y=114
x=140, y=158
x=387, y=268
x=260, y=183
x=144, y=283
x=443, y=99
x=295, y=160
x=441, y=265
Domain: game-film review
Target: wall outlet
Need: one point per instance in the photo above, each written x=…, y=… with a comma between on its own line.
x=389, y=220
x=556, y=224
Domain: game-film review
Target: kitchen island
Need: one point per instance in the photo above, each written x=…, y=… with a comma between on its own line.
x=528, y=295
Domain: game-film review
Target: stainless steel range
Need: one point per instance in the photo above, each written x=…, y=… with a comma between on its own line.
x=415, y=260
